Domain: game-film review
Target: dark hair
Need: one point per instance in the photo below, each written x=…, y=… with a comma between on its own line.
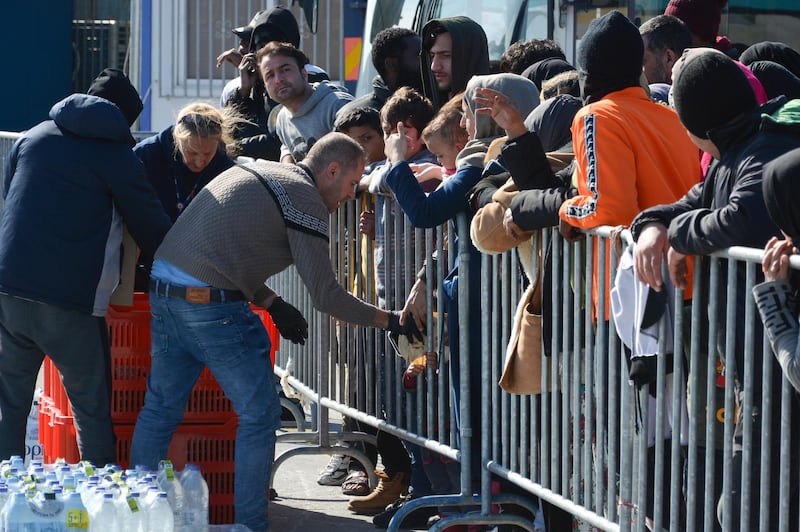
x=285, y=49
x=666, y=32
x=360, y=116
x=435, y=28
x=522, y=54
x=407, y=104
x=389, y=43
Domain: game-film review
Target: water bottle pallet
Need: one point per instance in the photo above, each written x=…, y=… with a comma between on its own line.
x=129, y=329
x=210, y=446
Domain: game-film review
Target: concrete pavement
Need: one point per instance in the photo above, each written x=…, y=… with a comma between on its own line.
x=305, y=506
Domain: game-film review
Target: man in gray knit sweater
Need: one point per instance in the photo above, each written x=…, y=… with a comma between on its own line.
x=248, y=224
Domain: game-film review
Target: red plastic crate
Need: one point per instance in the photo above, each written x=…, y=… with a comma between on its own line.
x=129, y=329
x=209, y=446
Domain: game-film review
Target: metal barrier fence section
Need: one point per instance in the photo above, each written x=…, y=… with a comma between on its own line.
x=711, y=433
x=596, y=450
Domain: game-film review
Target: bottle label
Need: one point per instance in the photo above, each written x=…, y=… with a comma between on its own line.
x=132, y=504
x=77, y=519
x=88, y=468
x=168, y=469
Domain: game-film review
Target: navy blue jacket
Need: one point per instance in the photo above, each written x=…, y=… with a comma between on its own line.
x=70, y=183
x=164, y=167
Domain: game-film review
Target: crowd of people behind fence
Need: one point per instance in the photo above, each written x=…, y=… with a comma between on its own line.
x=667, y=129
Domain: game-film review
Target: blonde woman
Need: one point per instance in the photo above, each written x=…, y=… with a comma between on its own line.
x=182, y=159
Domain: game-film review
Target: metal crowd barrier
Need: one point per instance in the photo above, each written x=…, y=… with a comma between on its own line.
x=586, y=444
x=589, y=444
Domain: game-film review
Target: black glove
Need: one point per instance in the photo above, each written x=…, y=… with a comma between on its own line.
x=409, y=330
x=292, y=325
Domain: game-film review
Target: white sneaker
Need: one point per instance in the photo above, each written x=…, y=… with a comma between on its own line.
x=335, y=472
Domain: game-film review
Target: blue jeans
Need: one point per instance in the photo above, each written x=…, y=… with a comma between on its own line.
x=231, y=340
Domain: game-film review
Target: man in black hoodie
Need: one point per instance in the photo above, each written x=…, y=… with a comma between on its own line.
x=69, y=185
x=453, y=50
x=727, y=209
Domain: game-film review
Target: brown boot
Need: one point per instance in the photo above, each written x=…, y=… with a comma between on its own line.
x=385, y=493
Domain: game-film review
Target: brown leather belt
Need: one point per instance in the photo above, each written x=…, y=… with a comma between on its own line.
x=195, y=294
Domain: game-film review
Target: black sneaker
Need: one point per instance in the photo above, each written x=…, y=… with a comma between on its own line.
x=416, y=519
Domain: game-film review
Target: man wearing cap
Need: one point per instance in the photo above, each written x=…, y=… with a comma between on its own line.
x=727, y=209
x=703, y=17
x=70, y=183
x=246, y=92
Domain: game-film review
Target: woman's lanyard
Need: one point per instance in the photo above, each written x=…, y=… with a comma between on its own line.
x=181, y=203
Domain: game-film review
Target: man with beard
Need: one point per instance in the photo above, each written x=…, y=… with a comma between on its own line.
x=453, y=50
x=309, y=109
x=246, y=92
x=665, y=38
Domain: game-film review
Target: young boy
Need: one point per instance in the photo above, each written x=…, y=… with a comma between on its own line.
x=364, y=126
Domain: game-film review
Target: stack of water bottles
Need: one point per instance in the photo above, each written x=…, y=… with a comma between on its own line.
x=61, y=497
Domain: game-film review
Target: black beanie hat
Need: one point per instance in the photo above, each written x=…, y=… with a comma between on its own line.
x=709, y=90
x=113, y=85
x=610, y=56
x=776, y=79
x=781, y=186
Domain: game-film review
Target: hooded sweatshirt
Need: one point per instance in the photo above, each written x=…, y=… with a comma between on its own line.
x=470, y=55
x=70, y=183
x=299, y=131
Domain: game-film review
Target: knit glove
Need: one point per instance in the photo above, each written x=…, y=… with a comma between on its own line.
x=409, y=329
x=289, y=321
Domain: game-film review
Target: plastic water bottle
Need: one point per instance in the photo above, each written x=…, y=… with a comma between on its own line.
x=76, y=517
x=159, y=515
x=195, y=498
x=104, y=518
x=132, y=514
x=48, y=510
x=5, y=496
x=169, y=483
x=19, y=516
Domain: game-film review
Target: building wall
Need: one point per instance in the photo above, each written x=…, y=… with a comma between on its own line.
x=37, y=61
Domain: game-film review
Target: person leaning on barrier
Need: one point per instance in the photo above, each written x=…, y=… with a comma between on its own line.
x=443, y=205
x=777, y=297
x=726, y=209
x=70, y=184
x=250, y=223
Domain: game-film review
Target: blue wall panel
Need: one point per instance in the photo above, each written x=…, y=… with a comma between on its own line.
x=36, y=39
